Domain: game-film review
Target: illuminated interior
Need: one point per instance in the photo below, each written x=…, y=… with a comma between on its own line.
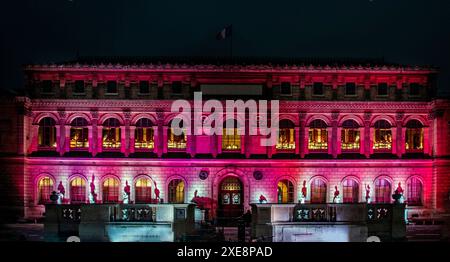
x=47, y=133
x=318, y=135
x=350, y=190
x=111, y=133
x=285, y=191
x=414, y=192
x=383, y=136
x=143, y=190
x=286, y=137
x=176, y=191
x=350, y=137
x=79, y=133
x=78, y=190
x=383, y=191
x=414, y=136
x=231, y=139
x=45, y=188
x=318, y=191
x=110, y=190
x=144, y=134
x=176, y=141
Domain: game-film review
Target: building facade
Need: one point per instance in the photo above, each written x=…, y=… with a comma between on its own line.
x=348, y=133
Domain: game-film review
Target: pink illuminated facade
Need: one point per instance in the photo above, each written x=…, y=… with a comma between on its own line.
x=348, y=133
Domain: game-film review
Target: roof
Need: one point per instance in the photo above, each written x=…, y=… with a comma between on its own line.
x=211, y=62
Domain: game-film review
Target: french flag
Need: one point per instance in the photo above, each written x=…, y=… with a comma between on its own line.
x=224, y=33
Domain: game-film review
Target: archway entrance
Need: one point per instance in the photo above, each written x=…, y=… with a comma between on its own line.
x=230, y=198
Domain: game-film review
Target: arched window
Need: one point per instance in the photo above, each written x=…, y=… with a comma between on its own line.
x=382, y=191
x=45, y=189
x=176, y=191
x=318, y=191
x=318, y=135
x=414, y=136
x=286, y=137
x=414, y=188
x=47, y=133
x=79, y=133
x=143, y=190
x=111, y=133
x=231, y=140
x=110, y=190
x=143, y=135
x=350, y=137
x=383, y=136
x=350, y=191
x=78, y=190
x=176, y=141
x=285, y=191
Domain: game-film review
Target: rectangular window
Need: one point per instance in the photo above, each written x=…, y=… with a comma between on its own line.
x=382, y=89
x=285, y=88
x=79, y=87
x=111, y=87
x=47, y=86
x=318, y=89
x=176, y=87
x=350, y=89
x=414, y=89
x=144, y=87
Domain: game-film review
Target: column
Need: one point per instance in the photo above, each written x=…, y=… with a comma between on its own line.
x=160, y=134
x=192, y=137
x=126, y=135
x=93, y=144
x=334, y=133
x=367, y=132
x=61, y=140
x=399, y=134
x=302, y=141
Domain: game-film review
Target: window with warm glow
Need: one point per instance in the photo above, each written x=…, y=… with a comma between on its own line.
x=414, y=136
x=318, y=191
x=143, y=134
x=79, y=133
x=78, y=190
x=382, y=136
x=286, y=137
x=231, y=140
x=45, y=189
x=285, y=191
x=350, y=137
x=414, y=188
x=110, y=190
x=383, y=191
x=111, y=133
x=350, y=190
x=318, y=135
x=176, y=191
x=176, y=141
x=143, y=190
x=47, y=133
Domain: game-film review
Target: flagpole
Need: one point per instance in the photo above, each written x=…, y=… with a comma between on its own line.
x=231, y=42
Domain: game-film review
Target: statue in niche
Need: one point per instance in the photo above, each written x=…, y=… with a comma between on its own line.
x=92, y=195
x=367, y=194
x=61, y=192
x=336, y=198
x=126, y=193
x=304, y=192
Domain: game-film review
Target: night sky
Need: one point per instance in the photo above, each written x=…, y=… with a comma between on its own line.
x=401, y=31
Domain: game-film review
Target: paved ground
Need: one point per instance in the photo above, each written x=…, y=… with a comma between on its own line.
x=35, y=232
x=22, y=232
